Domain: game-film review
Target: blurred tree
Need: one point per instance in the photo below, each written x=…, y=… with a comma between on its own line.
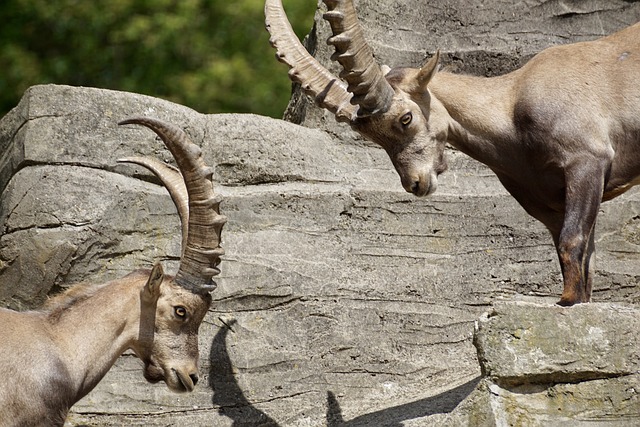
x=211, y=55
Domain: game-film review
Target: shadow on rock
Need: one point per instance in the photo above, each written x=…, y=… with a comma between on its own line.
x=226, y=391
x=393, y=417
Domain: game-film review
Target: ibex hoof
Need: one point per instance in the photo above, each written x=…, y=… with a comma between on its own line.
x=568, y=302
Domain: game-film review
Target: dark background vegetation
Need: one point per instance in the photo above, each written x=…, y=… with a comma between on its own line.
x=210, y=55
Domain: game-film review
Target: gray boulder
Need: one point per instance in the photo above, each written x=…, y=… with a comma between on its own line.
x=546, y=366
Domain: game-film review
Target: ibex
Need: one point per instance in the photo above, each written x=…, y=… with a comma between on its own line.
x=51, y=358
x=562, y=133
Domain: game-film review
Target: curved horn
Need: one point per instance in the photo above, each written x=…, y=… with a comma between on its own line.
x=201, y=250
x=327, y=90
x=371, y=91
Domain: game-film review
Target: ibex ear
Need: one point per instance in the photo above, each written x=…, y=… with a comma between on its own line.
x=152, y=288
x=428, y=70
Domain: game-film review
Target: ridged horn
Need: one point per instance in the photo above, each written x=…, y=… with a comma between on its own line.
x=327, y=90
x=371, y=91
x=197, y=204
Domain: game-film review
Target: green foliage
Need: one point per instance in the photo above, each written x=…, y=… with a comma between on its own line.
x=211, y=55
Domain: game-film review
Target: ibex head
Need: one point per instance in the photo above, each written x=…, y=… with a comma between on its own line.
x=390, y=107
x=172, y=308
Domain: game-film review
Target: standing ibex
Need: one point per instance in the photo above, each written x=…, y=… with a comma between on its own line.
x=49, y=359
x=562, y=133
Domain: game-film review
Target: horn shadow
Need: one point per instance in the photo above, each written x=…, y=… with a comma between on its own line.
x=227, y=394
x=393, y=417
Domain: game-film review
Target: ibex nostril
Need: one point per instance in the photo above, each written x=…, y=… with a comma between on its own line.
x=194, y=378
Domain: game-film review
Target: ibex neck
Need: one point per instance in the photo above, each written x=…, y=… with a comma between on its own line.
x=95, y=331
x=481, y=110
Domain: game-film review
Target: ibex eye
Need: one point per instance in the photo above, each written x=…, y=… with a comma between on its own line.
x=180, y=312
x=406, y=119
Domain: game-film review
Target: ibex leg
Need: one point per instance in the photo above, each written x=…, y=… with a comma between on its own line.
x=575, y=242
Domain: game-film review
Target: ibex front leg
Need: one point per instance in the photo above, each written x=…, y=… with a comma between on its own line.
x=575, y=241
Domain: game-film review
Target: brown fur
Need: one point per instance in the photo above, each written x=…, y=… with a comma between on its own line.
x=73, y=341
x=55, y=306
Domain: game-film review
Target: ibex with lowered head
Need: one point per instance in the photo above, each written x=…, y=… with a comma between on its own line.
x=51, y=358
x=562, y=133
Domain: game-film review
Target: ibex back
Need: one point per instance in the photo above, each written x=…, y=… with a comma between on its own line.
x=562, y=133
x=51, y=358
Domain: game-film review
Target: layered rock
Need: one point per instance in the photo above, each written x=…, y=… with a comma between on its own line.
x=551, y=366
x=342, y=299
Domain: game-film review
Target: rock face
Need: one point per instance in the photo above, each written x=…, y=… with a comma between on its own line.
x=328, y=277
x=343, y=300
x=548, y=366
x=523, y=343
